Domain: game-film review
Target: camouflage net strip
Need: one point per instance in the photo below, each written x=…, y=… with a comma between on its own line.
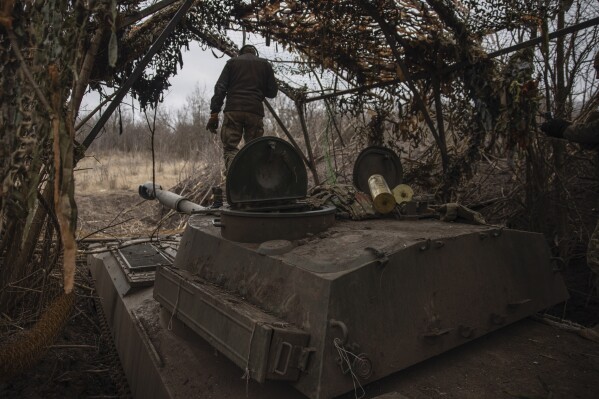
x=28, y=347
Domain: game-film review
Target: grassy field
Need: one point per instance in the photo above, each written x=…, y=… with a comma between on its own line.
x=118, y=171
x=106, y=190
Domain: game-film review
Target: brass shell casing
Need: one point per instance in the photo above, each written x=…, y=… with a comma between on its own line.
x=403, y=193
x=382, y=198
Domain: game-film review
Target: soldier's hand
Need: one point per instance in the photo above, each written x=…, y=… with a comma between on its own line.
x=555, y=127
x=212, y=124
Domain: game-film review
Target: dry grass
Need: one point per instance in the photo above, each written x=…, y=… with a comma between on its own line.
x=106, y=186
x=118, y=171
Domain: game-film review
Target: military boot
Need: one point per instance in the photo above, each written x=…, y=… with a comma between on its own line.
x=217, y=197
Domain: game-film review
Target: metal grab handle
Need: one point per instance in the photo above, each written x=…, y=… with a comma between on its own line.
x=437, y=333
x=217, y=223
x=465, y=331
x=278, y=358
x=425, y=245
x=514, y=305
x=341, y=325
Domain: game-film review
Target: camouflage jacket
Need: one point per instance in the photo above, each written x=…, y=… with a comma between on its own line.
x=245, y=81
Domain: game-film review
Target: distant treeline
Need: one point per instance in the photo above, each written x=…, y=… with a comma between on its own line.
x=182, y=132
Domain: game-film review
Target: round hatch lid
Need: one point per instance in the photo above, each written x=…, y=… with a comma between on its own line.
x=377, y=160
x=266, y=169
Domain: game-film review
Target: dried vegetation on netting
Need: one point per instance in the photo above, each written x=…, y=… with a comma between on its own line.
x=414, y=75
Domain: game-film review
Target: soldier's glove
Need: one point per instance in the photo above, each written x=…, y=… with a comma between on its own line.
x=212, y=124
x=555, y=127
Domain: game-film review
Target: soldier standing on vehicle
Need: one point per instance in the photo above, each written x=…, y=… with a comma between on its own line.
x=587, y=134
x=245, y=81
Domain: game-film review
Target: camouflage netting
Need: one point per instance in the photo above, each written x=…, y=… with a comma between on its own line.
x=41, y=45
x=26, y=348
x=413, y=75
x=410, y=64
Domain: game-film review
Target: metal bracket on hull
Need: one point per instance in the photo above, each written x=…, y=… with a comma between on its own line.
x=263, y=345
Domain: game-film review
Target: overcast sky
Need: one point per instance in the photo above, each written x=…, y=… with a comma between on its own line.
x=200, y=68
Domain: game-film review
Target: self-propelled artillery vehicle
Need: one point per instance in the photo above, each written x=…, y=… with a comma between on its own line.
x=304, y=304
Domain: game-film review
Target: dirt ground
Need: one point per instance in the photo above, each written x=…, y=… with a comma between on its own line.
x=118, y=214
x=83, y=364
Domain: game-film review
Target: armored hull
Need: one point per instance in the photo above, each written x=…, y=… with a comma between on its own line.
x=357, y=303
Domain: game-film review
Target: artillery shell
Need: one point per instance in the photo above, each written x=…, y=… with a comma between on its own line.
x=403, y=193
x=382, y=199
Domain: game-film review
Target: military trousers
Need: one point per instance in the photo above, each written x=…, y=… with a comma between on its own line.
x=238, y=125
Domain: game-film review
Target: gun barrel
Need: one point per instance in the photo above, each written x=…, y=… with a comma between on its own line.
x=169, y=199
